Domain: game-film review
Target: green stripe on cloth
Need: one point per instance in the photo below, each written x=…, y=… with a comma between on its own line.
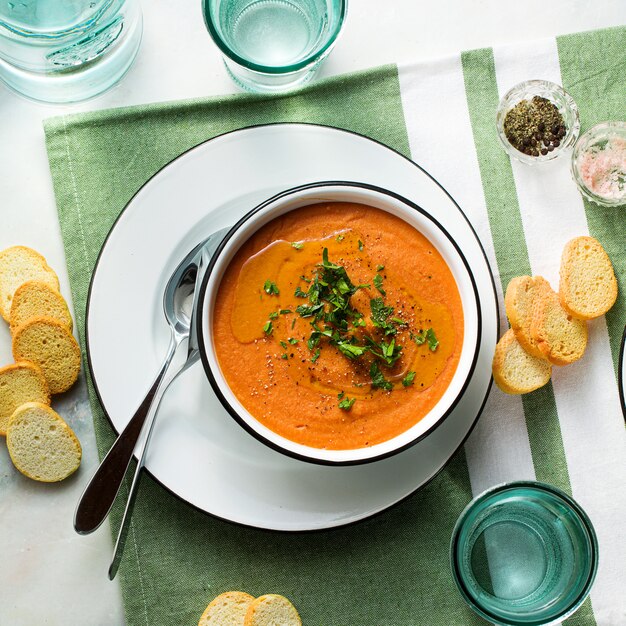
x=391, y=570
x=598, y=89
x=540, y=411
x=509, y=242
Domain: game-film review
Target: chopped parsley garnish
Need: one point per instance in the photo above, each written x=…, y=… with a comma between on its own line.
x=346, y=403
x=336, y=322
x=422, y=337
x=270, y=288
x=408, y=379
x=350, y=350
x=433, y=342
x=360, y=244
x=308, y=311
x=378, y=379
x=298, y=245
x=419, y=338
x=380, y=316
x=378, y=283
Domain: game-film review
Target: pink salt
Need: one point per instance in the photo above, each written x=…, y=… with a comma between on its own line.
x=603, y=170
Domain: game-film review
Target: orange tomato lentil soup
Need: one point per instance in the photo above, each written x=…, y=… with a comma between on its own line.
x=329, y=376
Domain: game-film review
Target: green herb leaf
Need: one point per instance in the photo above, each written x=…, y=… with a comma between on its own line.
x=315, y=356
x=346, y=403
x=350, y=350
x=298, y=245
x=308, y=311
x=273, y=315
x=380, y=312
x=408, y=379
x=380, y=268
x=433, y=342
x=284, y=311
x=284, y=355
x=418, y=338
x=378, y=283
x=340, y=395
x=267, y=328
x=340, y=238
x=270, y=288
x=299, y=293
x=378, y=379
x=283, y=345
x=292, y=340
x=360, y=244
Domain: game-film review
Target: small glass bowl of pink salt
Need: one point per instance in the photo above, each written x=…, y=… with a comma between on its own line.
x=599, y=164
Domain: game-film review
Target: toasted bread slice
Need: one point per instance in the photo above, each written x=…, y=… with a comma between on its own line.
x=514, y=370
x=19, y=383
x=18, y=265
x=41, y=445
x=37, y=299
x=272, y=609
x=560, y=337
x=49, y=344
x=228, y=609
x=522, y=296
x=587, y=286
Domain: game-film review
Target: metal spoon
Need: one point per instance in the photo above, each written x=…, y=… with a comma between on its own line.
x=193, y=354
x=99, y=495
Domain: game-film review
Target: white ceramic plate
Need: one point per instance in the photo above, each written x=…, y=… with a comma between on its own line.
x=198, y=451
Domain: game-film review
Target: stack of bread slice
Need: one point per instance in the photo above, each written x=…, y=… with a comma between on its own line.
x=47, y=361
x=549, y=328
x=237, y=608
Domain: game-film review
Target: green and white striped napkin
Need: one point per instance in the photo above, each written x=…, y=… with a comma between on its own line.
x=392, y=570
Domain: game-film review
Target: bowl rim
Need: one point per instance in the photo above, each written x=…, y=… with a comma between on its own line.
x=202, y=339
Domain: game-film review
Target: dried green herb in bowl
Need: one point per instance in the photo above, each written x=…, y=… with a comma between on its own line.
x=537, y=121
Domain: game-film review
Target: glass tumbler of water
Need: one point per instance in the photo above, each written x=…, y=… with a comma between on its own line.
x=67, y=50
x=524, y=554
x=274, y=45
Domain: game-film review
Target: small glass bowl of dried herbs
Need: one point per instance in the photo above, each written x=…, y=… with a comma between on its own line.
x=537, y=121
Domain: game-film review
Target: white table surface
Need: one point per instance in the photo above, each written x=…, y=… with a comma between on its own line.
x=48, y=574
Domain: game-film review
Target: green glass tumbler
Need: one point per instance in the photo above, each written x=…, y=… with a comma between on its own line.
x=273, y=45
x=524, y=554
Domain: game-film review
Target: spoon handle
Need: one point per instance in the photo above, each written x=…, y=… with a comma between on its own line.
x=99, y=495
x=118, y=551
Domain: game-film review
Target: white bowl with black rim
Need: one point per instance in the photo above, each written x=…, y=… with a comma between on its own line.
x=361, y=193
